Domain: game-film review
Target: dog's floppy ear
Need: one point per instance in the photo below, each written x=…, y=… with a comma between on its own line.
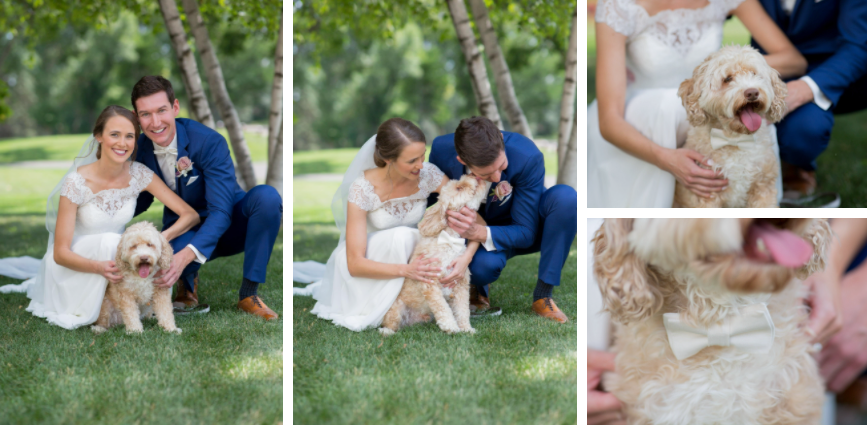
x=628, y=290
x=689, y=97
x=818, y=233
x=434, y=220
x=119, y=261
x=778, y=106
x=166, y=253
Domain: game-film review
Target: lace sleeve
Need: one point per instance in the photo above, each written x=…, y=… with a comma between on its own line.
x=142, y=175
x=431, y=176
x=361, y=194
x=617, y=14
x=728, y=6
x=73, y=189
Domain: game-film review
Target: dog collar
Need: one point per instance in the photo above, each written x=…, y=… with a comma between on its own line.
x=751, y=330
x=718, y=139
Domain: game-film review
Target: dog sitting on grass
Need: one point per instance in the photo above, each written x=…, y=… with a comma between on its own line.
x=141, y=253
x=417, y=300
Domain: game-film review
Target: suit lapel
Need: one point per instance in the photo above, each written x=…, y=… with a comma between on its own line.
x=183, y=143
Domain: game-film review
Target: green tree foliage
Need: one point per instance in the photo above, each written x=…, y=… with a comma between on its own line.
x=359, y=63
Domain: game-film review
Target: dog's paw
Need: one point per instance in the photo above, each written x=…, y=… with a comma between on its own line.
x=386, y=331
x=98, y=329
x=174, y=331
x=134, y=331
x=469, y=331
x=450, y=329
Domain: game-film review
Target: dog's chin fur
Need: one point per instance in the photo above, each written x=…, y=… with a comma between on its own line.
x=648, y=267
x=420, y=301
x=141, y=244
x=713, y=103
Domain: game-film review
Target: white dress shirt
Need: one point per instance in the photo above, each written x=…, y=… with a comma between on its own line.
x=819, y=98
x=167, y=162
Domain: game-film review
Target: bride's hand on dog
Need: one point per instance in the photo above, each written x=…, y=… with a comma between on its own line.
x=687, y=167
x=823, y=299
x=602, y=407
x=458, y=267
x=110, y=271
x=844, y=357
x=421, y=269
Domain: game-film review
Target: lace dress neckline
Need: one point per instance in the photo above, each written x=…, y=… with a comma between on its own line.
x=373, y=192
x=132, y=180
x=680, y=11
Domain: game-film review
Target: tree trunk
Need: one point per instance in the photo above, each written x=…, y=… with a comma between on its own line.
x=567, y=169
x=244, y=164
x=276, y=117
x=475, y=63
x=275, y=164
x=502, y=77
x=189, y=70
x=567, y=101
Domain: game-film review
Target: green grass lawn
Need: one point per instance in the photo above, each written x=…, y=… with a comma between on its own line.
x=517, y=368
x=226, y=367
x=65, y=147
x=841, y=167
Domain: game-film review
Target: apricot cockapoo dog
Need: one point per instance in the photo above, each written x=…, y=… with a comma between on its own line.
x=708, y=318
x=141, y=253
x=418, y=300
x=727, y=100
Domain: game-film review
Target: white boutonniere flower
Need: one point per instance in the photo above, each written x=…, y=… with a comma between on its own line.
x=183, y=166
x=501, y=192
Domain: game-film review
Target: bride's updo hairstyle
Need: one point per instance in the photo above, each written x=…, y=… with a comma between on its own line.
x=115, y=111
x=392, y=136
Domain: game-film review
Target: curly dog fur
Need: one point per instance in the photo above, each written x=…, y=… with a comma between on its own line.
x=698, y=268
x=417, y=301
x=727, y=82
x=141, y=253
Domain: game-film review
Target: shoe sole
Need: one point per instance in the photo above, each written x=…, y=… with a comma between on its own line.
x=499, y=312
x=195, y=310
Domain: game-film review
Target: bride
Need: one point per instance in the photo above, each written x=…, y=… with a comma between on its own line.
x=86, y=214
x=377, y=208
x=635, y=128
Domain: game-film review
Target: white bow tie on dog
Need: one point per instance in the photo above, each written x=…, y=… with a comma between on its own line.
x=751, y=331
x=445, y=238
x=718, y=139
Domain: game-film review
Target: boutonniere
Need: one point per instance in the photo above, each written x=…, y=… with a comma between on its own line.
x=501, y=192
x=183, y=166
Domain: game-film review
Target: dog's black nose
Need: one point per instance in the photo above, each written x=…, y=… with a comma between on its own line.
x=751, y=94
x=145, y=259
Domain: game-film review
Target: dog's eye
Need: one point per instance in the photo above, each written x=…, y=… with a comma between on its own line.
x=150, y=245
x=728, y=79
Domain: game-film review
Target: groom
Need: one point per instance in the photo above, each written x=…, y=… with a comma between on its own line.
x=518, y=217
x=832, y=36
x=194, y=162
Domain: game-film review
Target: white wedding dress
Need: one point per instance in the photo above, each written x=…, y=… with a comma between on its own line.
x=661, y=51
x=358, y=303
x=68, y=298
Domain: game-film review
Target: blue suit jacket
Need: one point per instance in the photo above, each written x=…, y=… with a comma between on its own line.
x=212, y=194
x=831, y=34
x=515, y=220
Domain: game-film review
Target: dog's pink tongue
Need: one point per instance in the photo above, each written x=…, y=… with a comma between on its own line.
x=144, y=270
x=750, y=119
x=770, y=244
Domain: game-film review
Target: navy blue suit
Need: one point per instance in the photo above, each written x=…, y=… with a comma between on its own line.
x=233, y=221
x=531, y=220
x=832, y=36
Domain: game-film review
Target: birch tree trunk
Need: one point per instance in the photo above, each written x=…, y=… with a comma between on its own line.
x=189, y=70
x=275, y=163
x=475, y=63
x=567, y=169
x=244, y=163
x=502, y=76
x=567, y=101
x=275, y=120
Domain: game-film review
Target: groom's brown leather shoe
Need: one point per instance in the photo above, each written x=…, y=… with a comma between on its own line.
x=481, y=306
x=546, y=308
x=186, y=299
x=254, y=305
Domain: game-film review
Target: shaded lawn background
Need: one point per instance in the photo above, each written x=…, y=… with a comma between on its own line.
x=226, y=367
x=517, y=368
x=841, y=166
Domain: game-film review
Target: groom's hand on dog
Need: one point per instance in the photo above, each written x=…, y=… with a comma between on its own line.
x=180, y=261
x=602, y=407
x=468, y=224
